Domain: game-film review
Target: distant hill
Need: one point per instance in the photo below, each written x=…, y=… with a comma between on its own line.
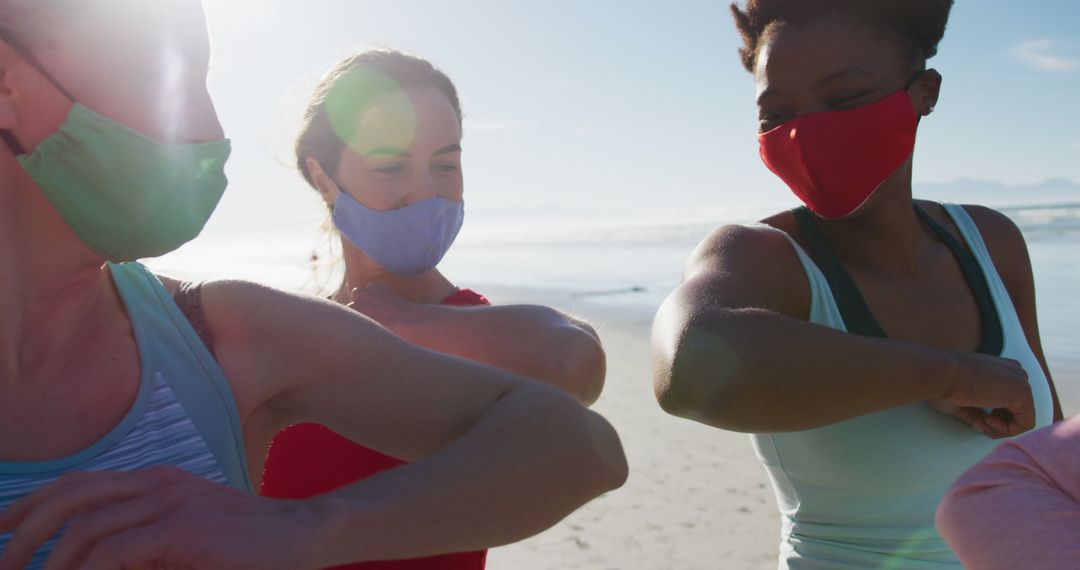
x=996, y=194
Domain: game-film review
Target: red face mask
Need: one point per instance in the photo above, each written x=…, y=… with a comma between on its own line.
x=834, y=161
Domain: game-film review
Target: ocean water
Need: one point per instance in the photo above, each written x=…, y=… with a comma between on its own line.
x=632, y=267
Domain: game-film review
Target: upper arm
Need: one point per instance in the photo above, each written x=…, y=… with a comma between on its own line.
x=1008, y=250
x=745, y=267
x=292, y=359
x=735, y=268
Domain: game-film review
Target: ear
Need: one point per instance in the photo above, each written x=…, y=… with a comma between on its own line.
x=326, y=186
x=926, y=91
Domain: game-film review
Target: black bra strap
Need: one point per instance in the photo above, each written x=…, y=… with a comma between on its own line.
x=858, y=318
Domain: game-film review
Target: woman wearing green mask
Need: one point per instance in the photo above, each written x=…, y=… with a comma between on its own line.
x=103, y=372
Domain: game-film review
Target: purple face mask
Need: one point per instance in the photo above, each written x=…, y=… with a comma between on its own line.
x=409, y=241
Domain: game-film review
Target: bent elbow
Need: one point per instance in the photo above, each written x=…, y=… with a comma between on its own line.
x=683, y=395
x=615, y=469
x=583, y=366
x=695, y=379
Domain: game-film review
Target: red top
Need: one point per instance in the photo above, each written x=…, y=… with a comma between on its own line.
x=306, y=460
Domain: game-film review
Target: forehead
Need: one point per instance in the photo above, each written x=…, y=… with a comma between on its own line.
x=816, y=49
x=413, y=118
x=106, y=27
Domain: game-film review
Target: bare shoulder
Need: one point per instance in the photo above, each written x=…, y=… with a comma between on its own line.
x=263, y=336
x=749, y=266
x=745, y=249
x=998, y=230
x=246, y=300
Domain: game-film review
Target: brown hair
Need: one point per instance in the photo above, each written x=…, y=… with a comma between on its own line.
x=918, y=25
x=318, y=137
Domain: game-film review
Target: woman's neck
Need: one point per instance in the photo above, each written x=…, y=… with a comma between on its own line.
x=53, y=286
x=430, y=288
x=886, y=233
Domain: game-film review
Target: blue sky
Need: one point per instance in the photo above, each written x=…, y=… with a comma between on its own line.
x=610, y=110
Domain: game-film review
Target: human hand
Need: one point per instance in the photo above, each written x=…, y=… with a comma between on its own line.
x=979, y=382
x=162, y=517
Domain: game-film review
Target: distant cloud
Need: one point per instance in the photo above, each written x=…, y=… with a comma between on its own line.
x=1043, y=54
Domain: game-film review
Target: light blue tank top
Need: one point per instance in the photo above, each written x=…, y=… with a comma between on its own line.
x=862, y=493
x=184, y=414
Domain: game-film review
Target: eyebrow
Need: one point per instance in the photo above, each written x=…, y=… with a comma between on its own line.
x=448, y=149
x=388, y=151
x=397, y=152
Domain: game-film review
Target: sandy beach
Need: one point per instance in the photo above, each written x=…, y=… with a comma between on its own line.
x=697, y=498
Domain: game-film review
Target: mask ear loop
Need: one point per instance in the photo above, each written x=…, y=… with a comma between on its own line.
x=20, y=48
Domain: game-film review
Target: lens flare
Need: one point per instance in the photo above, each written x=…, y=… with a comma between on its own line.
x=371, y=113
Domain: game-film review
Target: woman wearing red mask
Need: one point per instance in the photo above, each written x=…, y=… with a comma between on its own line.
x=874, y=346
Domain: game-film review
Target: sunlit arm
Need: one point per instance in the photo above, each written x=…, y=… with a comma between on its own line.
x=534, y=341
x=497, y=457
x=483, y=440
x=751, y=370
x=729, y=351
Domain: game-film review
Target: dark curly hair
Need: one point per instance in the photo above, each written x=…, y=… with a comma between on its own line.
x=918, y=25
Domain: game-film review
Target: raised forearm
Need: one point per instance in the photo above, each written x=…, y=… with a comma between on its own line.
x=755, y=371
x=534, y=341
x=531, y=460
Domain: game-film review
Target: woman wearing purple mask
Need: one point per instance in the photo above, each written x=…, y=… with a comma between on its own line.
x=874, y=346
x=381, y=143
x=134, y=407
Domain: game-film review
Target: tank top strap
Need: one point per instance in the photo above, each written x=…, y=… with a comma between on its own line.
x=823, y=308
x=188, y=368
x=992, y=334
x=999, y=294
x=858, y=317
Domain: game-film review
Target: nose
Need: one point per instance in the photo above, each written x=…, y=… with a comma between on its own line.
x=423, y=188
x=195, y=120
x=205, y=121
x=184, y=103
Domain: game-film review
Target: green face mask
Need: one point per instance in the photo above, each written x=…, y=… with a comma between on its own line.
x=125, y=195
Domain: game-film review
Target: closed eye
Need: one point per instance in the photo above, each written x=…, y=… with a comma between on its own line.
x=849, y=100
x=446, y=168
x=390, y=170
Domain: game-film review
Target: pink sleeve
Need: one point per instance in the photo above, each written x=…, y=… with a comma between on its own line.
x=1019, y=507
